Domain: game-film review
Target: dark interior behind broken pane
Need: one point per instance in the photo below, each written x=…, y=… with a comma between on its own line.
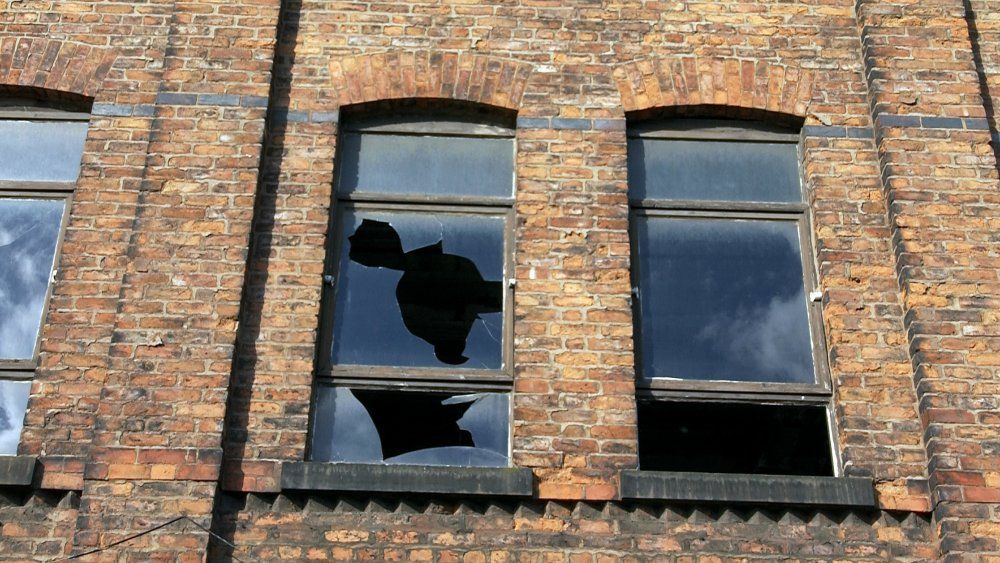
x=713, y=170
x=723, y=300
x=410, y=427
x=734, y=438
x=419, y=290
x=29, y=232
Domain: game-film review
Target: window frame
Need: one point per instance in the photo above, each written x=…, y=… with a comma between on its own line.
x=448, y=379
x=653, y=389
x=326, y=367
x=22, y=370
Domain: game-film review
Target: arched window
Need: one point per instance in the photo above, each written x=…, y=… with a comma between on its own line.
x=730, y=351
x=414, y=360
x=40, y=151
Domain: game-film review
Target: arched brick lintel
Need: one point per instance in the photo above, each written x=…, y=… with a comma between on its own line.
x=692, y=81
x=38, y=65
x=452, y=76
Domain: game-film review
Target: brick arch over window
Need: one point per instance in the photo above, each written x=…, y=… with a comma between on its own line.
x=469, y=77
x=46, y=66
x=701, y=81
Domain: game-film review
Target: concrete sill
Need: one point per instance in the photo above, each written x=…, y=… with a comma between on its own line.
x=749, y=489
x=17, y=471
x=318, y=476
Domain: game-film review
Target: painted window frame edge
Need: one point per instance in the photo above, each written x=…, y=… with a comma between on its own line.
x=785, y=130
x=16, y=470
x=442, y=119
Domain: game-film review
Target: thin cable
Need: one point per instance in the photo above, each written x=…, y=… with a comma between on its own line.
x=151, y=530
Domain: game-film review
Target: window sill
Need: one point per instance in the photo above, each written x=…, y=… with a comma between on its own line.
x=320, y=476
x=749, y=489
x=17, y=471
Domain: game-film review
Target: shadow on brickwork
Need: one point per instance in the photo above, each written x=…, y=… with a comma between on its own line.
x=235, y=434
x=984, y=85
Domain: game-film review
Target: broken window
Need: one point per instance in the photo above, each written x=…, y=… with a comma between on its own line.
x=729, y=341
x=40, y=152
x=430, y=283
x=425, y=428
x=414, y=362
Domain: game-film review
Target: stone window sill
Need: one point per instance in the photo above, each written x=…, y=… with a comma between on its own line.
x=17, y=471
x=748, y=489
x=319, y=476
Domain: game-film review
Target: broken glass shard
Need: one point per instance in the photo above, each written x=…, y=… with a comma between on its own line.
x=29, y=232
x=419, y=290
x=343, y=429
x=407, y=427
x=13, y=403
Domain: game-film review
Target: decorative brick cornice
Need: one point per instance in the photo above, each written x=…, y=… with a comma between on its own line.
x=451, y=76
x=59, y=66
x=691, y=81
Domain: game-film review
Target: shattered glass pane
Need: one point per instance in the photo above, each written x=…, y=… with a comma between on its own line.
x=13, y=403
x=343, y=429
x=29, y=231
x=713, y=170
x=406, y=427
x=426, y=165
x=419, y=290
x=451, y=455
x=723, y=300
x=41, y=151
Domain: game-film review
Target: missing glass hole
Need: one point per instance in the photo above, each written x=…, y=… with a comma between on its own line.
x=405, y=427
x=440, y=296
x=734, y=438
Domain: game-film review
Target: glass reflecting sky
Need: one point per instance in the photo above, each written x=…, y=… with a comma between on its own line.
x=713, y=170
x=369, y=326
x=13, y=402
x=29, y=231
x=42, y=151
x=426, y=165
x=723, y=300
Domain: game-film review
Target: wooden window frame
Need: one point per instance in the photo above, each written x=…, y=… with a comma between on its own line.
x=448, y=379
x=818, y=394
x=22, y=369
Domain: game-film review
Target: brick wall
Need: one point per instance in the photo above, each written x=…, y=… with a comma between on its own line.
x=940, y=175
x=279, y=528
x=178, y=353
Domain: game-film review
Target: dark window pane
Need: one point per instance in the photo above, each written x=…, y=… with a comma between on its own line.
x=723, y=300
x=29, y=231
x=419, y=290
x=713, y=170
x=13, y=402
x=426, y=165
x=420, y=428
x=734, y=438
x=41, y=151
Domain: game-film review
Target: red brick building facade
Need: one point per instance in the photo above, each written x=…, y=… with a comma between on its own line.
x=186, y=336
